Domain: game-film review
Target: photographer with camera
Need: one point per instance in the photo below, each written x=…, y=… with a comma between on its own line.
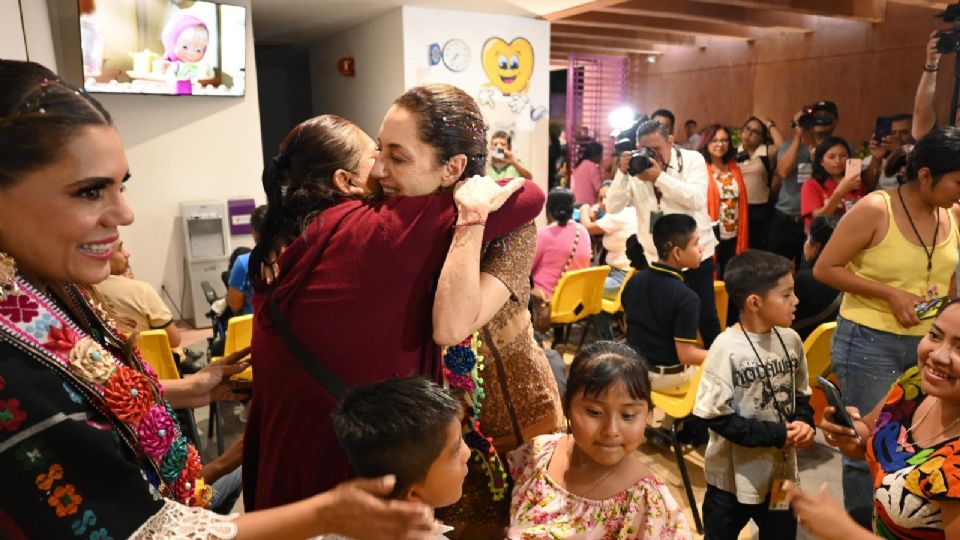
x=661, y=178
x=757, y=158
x=812, y=125
x=891, y=133
x=503, y=165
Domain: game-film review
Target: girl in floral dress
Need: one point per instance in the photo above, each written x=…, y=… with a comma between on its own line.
x=590, y=484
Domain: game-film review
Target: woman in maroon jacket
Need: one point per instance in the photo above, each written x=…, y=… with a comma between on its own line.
x=356, y=275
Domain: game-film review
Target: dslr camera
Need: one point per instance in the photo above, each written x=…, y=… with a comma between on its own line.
x=807, y=120
x=948, y=41
x=641, y=160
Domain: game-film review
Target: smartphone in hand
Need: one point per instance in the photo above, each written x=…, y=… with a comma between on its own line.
x=832, y=393
x=854, y=167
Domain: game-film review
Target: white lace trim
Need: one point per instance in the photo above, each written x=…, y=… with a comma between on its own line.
x=178, y=522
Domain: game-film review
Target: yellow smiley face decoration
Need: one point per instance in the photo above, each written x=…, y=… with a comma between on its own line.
x=508, y=65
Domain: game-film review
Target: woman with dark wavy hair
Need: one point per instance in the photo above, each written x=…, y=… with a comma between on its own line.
x=352, y=266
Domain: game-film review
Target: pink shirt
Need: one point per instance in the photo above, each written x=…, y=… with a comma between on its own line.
x=554, y=244
x=585, y=182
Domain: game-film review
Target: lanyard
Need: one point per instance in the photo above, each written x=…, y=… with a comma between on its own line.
x=765, y=376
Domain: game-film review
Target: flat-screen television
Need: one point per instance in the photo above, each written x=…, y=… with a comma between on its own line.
x=168, y=47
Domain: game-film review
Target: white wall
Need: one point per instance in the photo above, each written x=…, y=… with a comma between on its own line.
x=12, y=44
x=180, y=149
x=422, y=27
x=377, y=48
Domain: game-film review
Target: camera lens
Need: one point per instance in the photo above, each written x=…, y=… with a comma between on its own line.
x=948, y=42
x=641, y=160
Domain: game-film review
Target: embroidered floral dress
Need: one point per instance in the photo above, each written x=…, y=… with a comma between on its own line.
x=909, y=481
x=729, y=202
x=88, y=446
x=542, y=509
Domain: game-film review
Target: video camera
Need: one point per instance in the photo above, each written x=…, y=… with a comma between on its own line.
x=807, y=120
x=948, y=41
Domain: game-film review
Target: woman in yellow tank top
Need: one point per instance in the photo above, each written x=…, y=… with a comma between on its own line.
x=892, y=252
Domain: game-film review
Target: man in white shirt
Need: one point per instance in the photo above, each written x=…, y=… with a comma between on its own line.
x=677, y=184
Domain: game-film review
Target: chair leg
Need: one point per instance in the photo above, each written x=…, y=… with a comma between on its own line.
x=678, y=450
x=583, y=335
x=212, y=421
x=219, y=431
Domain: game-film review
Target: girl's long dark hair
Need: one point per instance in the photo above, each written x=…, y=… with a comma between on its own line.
x=299, y=184
x=819, y=173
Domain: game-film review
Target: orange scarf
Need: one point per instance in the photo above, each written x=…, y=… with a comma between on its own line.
x=713, y=204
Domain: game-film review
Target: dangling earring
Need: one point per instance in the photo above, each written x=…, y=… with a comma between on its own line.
x=8, y=275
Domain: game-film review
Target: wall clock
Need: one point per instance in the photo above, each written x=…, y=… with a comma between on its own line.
x=456, y=55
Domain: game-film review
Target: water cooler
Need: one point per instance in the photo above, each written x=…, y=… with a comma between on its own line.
x=206, y=255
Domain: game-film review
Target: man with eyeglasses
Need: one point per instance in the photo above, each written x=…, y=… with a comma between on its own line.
x=758, y=165
x=795, y=166
x=675, y=183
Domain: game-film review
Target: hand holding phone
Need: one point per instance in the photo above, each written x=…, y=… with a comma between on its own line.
x=841, y=417
x=854, y=167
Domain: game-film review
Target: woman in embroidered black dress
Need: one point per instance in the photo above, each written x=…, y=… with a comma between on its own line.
x=88, y=445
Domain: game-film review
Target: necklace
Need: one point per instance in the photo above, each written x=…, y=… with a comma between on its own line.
x=933, y=244
x=606, y=475
x=902, y=439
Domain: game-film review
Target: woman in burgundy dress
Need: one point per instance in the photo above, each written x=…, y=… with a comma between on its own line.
x=356, y=275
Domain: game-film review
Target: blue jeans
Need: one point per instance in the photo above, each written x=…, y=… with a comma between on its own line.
x=867, y=363
x=226, y=491
x=613, y=283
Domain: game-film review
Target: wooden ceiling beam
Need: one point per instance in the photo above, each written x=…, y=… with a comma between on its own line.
x=582, y=8
x=617, y=48
x=588, y=50
x=696, y=11
x=872, y=11
x=923, y=3
x=620, y=33
x=610, y=42
x=658, y=24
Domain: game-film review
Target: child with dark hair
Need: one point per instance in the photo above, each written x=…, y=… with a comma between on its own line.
x=586, y=177
x=561, y=246
x=590, y=483
x=661, y=311
x=755, y=398
x=409, y=428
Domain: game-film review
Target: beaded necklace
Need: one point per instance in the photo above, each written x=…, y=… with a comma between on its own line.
x=126, y=390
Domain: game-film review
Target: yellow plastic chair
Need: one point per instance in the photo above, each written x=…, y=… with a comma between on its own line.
x=239, y=335
x=722, y=300
x=615, y=306
x=155, y=347
x=578, y=296
x=817, y=350
x=680, y=407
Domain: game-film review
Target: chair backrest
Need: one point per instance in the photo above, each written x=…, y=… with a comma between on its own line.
x=618, y=304
x=679, y=405
x=722, y=300
x=578, y=294
x=239, y=333
x=154, y=345
x=817, y=350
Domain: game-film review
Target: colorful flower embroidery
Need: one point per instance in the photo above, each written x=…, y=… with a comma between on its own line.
x=39, y=328
x=19, y=308
x=73, y=395
x=129, y=395
x=32, y=455
x=46, y=480
x=91, y=362
x=100, y=534
x=65, y=499
x=157, y=432
x=10, y=415
x=80, y=526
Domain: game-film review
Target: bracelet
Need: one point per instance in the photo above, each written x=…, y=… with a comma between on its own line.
x=931, y=69
x=480, y=222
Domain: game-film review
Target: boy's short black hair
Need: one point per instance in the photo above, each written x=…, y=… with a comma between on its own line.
x=501, y=134
x=396, y=426
x=754, y=272
x=672, y=230
x=666, y=113
x=602, y=364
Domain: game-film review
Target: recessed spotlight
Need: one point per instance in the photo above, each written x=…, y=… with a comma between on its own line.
x=651, y=58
